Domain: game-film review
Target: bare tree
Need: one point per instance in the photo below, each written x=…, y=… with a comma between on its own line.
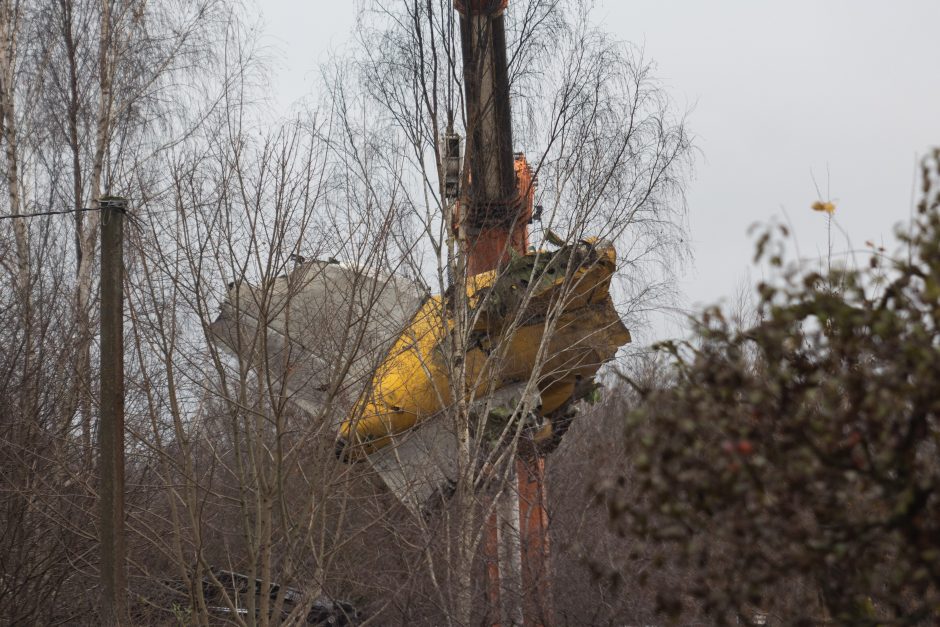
x=276, y=273
x=609, y=161
x=91, y=95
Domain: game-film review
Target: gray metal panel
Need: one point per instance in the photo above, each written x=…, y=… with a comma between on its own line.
x=420, y=462
x=327, y=325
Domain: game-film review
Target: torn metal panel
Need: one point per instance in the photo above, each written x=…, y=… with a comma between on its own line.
x=421, y=463
x=327, y=328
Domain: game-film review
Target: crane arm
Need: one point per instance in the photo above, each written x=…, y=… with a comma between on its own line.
x=497, y=207
x=486, y=76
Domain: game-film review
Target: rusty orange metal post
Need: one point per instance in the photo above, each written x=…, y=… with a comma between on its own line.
x=493, y=214
x=533, y=523
x=491, y=245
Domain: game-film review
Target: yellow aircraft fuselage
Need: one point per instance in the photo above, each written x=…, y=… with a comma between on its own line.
x=548, y=316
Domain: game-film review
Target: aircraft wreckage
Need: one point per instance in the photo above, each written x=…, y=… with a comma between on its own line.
x=393, y=343
x=379, y=358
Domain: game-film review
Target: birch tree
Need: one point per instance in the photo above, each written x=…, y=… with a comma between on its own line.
x=609, y=156
x=91, y=94
x=235, y=418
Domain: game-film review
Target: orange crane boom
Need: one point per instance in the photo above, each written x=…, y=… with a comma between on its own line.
x=495, y=218
x=496, y=209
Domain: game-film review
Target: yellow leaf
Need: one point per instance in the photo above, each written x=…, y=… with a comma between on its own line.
x=827, y=206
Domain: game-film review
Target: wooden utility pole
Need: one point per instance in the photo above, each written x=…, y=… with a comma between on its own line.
x=111, y=421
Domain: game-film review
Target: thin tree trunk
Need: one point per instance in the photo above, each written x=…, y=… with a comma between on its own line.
x=84, y=281
x=510, y=554
x=8, y=33
x=465, y=484
x=80, y=400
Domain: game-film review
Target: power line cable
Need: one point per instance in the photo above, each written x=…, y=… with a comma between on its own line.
x=47, y=213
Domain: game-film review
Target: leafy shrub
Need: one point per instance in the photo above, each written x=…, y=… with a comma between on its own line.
x=793, y=465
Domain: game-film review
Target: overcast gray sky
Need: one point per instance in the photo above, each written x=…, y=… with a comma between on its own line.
x=776, y=92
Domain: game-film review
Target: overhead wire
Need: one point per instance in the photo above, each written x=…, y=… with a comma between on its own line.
x=131, y=217
x=47, y=213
